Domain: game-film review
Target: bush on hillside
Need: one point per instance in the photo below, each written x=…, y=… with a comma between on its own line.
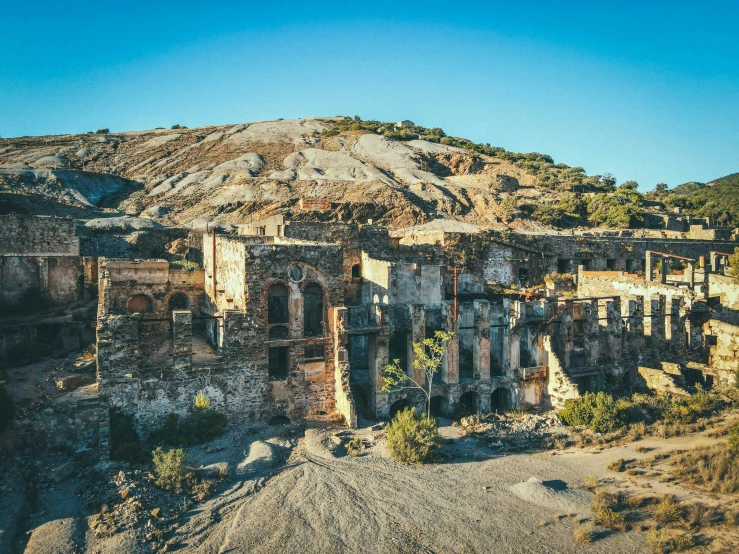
x=202, y=425
x=413, y=438
x=597, y=411
x=171, y=472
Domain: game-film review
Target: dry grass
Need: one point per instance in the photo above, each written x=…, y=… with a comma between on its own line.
x=610, y=519
x=604, y=499
x=667, y=511
x=618, y=465
x=637, y=431
x=591, y=481
x=714, y=467
x=659, y=542
x=698, y=515
x=584, y=534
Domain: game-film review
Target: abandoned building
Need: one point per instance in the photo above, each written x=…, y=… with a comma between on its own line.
x=289, y=319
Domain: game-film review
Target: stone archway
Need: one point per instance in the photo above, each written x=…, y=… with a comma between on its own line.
x=501, y=400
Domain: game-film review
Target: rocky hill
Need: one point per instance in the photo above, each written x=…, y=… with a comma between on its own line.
x=398, y=175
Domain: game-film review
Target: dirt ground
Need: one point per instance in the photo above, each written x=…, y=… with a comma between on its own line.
x=294, y=489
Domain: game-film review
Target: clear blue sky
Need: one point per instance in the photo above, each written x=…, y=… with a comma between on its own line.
x=645, y=90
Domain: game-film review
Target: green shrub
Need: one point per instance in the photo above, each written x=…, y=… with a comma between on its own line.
x=203, y=425
x=667, y=511
x=124, y=441
x=690, y=409
x=412, y=438
x=7, y=409
x=184, y=264
x=104, y=131
x=171, y=472
x=734, y=436
x=597, y=411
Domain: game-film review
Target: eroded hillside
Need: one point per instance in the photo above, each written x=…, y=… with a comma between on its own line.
x=230, y=172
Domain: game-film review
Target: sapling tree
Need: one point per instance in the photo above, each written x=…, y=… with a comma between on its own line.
x=428, y=354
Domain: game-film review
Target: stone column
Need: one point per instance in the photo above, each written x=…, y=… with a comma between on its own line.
x=591, y=330
x=633, y=309
x=614, y=328
x=665, y=269
x=481, y=344
x=563, y=334
x=450, y=362
x=232, y=341
x=673, y=325
x=691, y=275
x=181, y=340
x=649, y=267
x=417, y=334
x=379, y=351
x=657, y=322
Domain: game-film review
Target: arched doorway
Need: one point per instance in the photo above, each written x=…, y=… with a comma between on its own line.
x=439, y=406
x=501, y=400
x=178, y=301
x=469, y=402
x=138, y=304
x=313, y=311
x=398, y=406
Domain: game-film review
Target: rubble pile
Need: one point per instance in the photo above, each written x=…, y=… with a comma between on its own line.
x=513, y=433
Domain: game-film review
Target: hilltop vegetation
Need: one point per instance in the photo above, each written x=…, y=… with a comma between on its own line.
x=718, y=199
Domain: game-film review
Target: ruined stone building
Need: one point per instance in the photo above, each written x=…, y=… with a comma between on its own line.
x=302, y=322
x=286, y=319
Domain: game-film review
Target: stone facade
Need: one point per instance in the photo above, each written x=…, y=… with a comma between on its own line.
x=301, y=323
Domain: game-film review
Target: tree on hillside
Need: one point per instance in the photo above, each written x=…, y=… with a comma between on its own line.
x=428, y=354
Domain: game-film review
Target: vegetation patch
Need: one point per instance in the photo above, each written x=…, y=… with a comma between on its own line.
x=412, y=438
x=171, y=470
x=202, y=425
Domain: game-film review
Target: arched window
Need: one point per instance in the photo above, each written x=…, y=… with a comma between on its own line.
x=139, y=303
x=313, y=311
x=356, y=271
x=179, y=301
x=277, y=308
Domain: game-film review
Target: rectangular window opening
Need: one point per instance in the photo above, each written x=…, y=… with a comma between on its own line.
x=278, y=362
x=314, y=352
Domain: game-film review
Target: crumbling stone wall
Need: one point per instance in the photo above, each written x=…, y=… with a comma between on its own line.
x=38, y=235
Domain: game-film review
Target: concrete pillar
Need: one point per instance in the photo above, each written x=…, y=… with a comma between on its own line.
x=481, y=344
x=450, y=363
x=417, y=334
x=181, y=340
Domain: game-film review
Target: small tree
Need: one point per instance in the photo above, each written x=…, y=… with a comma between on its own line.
x=428, y=354
x=734, y=263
